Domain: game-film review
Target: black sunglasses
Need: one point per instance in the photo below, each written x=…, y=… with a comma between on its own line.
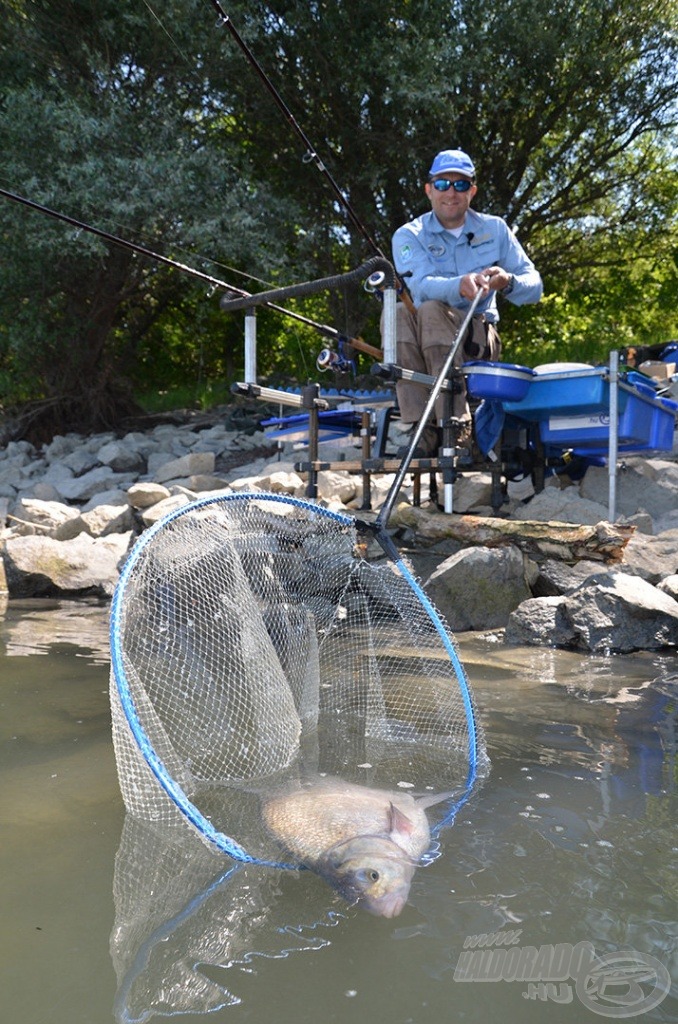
x=444, y=185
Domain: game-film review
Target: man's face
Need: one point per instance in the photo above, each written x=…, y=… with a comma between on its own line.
x=450, y=207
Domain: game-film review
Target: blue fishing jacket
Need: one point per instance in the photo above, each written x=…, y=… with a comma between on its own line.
x=432, y=261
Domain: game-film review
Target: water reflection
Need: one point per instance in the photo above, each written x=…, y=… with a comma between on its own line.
x=573, y=830
x=32, y=627
x=572, y=838
x=184, y=916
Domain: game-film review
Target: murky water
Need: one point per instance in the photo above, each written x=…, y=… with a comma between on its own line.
x=571, y=840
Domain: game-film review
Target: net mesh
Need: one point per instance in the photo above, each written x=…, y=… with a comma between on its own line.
x=251, y=642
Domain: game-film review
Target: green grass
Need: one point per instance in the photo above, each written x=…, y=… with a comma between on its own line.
x=187, y=396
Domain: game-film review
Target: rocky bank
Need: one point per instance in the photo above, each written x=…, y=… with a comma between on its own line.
x=71, y=510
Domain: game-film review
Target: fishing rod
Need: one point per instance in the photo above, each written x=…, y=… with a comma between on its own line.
x=215, y=282
x=312, y=155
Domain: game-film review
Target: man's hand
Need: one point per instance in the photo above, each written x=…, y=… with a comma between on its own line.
x=497, y=278
x=471, y=284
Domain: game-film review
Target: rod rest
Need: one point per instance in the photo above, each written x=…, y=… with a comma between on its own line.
x=308, y=399
x=393, y=372
x=371, y=266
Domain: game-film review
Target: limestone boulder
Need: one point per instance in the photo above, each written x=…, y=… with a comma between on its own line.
x=42, y=567
x=479, y=587
x=54, y=519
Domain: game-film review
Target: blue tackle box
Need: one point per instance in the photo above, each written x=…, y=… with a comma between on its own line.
x=572, y=408
x=563, y=391
x=497, y=381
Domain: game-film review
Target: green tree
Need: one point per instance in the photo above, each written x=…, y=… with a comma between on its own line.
x=569, y=109
x=150, y=123
x=107, y=119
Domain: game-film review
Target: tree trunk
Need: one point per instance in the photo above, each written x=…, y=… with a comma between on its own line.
x=568, y=542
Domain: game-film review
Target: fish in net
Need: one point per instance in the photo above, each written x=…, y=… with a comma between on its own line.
x=256, y=654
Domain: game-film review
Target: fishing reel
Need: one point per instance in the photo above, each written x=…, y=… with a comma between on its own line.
x=338, y=361
x=374, y=285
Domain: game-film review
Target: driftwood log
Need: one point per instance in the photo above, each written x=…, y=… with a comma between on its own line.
x=568, y=542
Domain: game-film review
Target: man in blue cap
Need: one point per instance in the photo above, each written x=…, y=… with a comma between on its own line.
x=445, y=257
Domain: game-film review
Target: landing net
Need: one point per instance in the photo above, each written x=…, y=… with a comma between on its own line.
x=252, y=642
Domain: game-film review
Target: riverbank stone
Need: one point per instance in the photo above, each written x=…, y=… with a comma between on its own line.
x=69, y=508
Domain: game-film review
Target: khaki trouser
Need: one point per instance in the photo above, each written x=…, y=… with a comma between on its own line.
x=423, y=342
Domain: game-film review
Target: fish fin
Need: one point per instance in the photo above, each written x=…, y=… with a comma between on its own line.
x=435, y=798
x=399, y=822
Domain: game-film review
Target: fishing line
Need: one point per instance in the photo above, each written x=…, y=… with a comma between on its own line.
x=311, y=155
x=311, y=152
x=330, y=332
x=167, y=32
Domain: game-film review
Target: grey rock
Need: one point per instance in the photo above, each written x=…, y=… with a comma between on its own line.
x=163, y=508
x=43, y=491
x=121, y=457
x=57, y=474
x=652, y=558
x=540, y=622
x=46, y=518
x=103, y=520
x=196, y=484
x=666, y=522
x=83, y=487
x=206, y=482
x=156, y=460
x=565, y=505
x=62, y=445
x=610, y=612
x=642, y=485
x=556, y=578
x=114, y=496
x=642, y=521
x=194, y=464
x=144, y=494
x=332, y=484
x=42, y=566
x=669, y=586
x=471, y=491
x=80, y=461
x=11, y=466
x=33, y=469
x=142, y=443
x=13, y=448
x=180, y=488
x=479, y=587
x=615, y=612
x=94, y=443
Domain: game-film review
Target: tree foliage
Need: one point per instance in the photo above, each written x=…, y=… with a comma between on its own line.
x=107, y=120
x=150, y=123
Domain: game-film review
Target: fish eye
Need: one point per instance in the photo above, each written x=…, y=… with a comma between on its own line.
x=373, y=875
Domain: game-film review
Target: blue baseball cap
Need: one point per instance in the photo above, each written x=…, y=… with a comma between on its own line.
x=453, y=160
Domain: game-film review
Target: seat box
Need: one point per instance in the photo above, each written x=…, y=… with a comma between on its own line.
x=567, y=393
x=644, y=422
